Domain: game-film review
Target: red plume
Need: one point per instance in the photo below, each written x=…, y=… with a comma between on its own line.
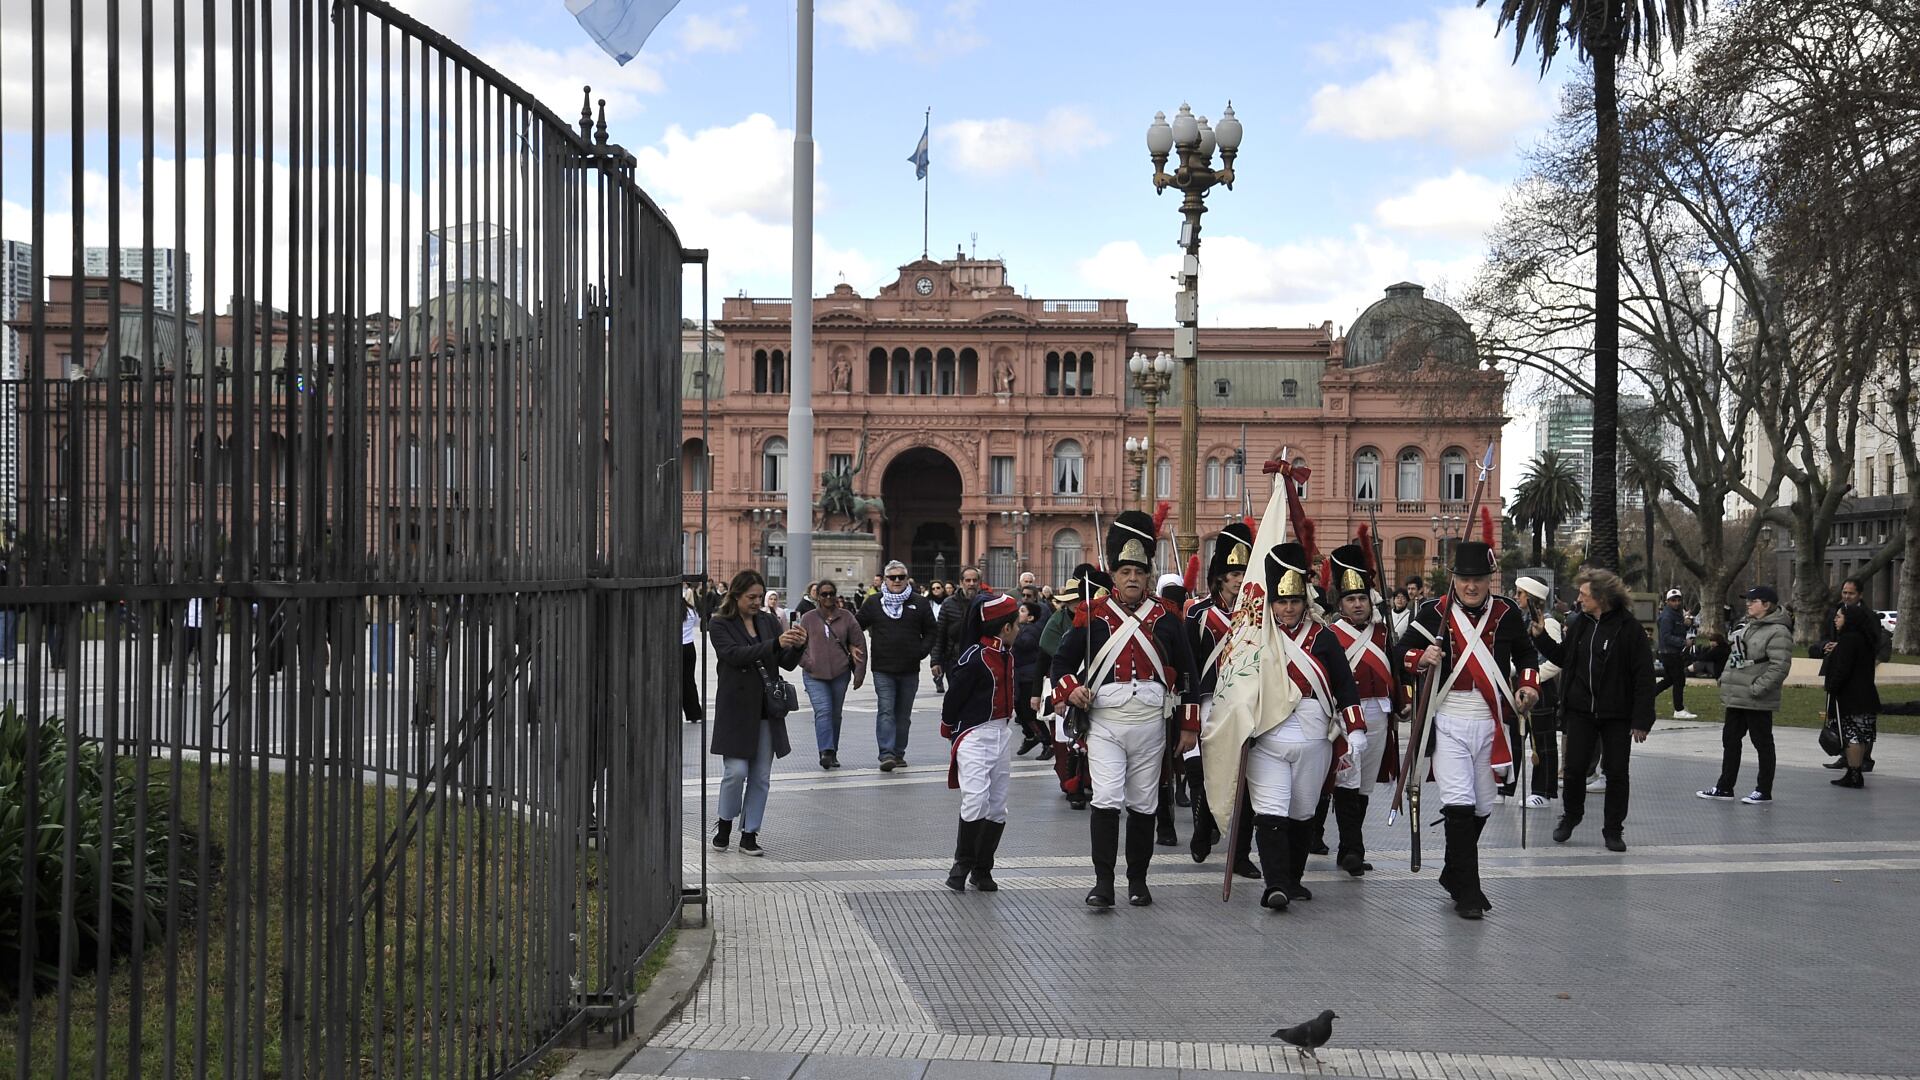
x=1326, y=575
x=1366, y=547
x=1192, y=580
x=1249, y=523
x=1160, y=515
x=1486, y=525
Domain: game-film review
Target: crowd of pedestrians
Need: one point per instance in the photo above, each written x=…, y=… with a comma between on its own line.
x=1600, y=675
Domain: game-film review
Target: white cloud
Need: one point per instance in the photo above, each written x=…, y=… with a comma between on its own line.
x=730, y=190
x=1003, y=145
x=870, y=25
x=722, y=32
x=1451, y=80
x=555, y=77
x=1245, y=283
x=1460, y=205
x=742, y=168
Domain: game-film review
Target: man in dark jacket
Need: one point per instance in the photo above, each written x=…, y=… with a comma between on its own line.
x=947, y=645
x=1671, y=628
x=899, y=626
x=1606, y=697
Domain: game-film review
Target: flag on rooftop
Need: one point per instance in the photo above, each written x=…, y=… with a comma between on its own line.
x=620, y=26
x=919, y=157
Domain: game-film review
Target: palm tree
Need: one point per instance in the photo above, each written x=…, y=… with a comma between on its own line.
x=1650, y=475
x=1549, y=495
x=1603, y=31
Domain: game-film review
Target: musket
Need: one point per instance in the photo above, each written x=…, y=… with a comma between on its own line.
x=1479, y=489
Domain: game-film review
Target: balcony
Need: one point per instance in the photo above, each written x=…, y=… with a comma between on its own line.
x=1414, y=507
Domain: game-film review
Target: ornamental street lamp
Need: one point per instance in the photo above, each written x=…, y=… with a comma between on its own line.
x=1194, y=175
x=1152, y=378
x=1016, y=522
x=1137, y=457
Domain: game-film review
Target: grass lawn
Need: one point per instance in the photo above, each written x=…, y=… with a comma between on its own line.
x=1800, y=706
x=469, y=962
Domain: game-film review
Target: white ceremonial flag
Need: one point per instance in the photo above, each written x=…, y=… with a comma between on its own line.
x=1254, y=693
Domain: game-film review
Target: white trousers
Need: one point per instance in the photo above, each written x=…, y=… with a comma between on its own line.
x=1286, y=768
x=1367, y=770
x=984, y=756
x=1462, y=757
x=1124, y=760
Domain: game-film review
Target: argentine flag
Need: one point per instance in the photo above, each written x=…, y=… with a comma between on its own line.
x=919, y=157
x=620, y=26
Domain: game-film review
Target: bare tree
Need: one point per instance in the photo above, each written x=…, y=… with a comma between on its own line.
x=1829, y=100
x=1688, y=261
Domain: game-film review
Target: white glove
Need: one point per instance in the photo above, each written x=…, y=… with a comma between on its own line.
x=1357, y=745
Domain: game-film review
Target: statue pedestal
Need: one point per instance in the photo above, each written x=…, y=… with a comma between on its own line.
x=847, y=559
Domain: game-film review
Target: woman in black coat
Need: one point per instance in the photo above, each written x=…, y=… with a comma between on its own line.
x=1851, y=695
x=749, y=642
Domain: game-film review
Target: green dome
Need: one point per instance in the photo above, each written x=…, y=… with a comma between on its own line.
x=1405, y=326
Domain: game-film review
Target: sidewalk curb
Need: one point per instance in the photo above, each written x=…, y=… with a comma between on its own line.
x=671, y=989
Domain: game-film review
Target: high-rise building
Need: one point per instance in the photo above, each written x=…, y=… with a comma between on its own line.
x=456, y=256
x=16, y=286
x=170, y=283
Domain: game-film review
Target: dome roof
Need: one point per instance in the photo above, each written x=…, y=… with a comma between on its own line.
x=1406, y=326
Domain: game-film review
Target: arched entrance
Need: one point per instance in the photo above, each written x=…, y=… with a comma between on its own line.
x=921, y=489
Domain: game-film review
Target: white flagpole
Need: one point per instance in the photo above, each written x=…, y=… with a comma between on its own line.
x=926, y=191
x=801, y=473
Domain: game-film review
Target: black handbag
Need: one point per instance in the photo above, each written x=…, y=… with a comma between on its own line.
x=779, y=694
x=1830, y=740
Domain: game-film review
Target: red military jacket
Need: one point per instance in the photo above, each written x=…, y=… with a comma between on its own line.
x=1370, y=665
x=1170, y=664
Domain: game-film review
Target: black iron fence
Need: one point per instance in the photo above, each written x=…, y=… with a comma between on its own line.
x=337, y=624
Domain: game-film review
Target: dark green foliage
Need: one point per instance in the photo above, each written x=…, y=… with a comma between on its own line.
x=138, y=864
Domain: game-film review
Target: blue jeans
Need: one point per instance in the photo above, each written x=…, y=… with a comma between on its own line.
x=829, y=698
x=743, y=785
x=896, y=711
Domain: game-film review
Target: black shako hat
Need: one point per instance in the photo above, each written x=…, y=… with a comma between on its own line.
x=1132, y=538
x=1232, y=550
x=1472, y=558
x=1287, y=571
x=1350, y=572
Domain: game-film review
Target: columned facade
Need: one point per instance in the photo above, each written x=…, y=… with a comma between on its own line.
x=993, y=427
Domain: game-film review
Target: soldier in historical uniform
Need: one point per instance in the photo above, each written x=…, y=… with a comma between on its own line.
x=978, y=715
x=1288, y=765
x=1210, y=623
x=1476, y=643
x=1363, y=638
x=1130, y=669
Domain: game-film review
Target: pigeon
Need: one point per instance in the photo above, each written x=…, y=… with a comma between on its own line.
x=1310, y=1036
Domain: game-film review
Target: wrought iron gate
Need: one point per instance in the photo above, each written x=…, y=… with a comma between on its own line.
x=341, y=587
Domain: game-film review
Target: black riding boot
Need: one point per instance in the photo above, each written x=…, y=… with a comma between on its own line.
x=964, y=853
x=1163, y=819
x=1317, y=831
x=1460, y=875
x=1300, y=849
x=1275, y=838
x=1139, y=854
x=1203, y=825
x=1243, y=844
x=1104, y=824
x=1480, y=894
x=989, y=842
x=1350, y=814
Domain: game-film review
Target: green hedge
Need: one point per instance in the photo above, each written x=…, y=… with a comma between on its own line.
x=137, y=863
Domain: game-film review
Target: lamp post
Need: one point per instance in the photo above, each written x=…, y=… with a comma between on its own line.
x=765, y=520
x=1016, y=522
x=1137, y=457
x=1194, y=175
x=1152, y=378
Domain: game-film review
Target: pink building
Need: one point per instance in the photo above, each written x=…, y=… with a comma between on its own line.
x=994, y=426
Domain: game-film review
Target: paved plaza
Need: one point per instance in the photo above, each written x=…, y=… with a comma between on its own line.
x=1731, y=940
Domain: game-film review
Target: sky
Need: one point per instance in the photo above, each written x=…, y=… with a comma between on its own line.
x=1379, y=140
